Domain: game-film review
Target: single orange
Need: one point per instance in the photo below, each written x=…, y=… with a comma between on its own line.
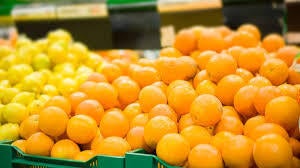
x=244, y=101
x=219, y=66
x=164, y=110
x=114, y=123
x=61, y=102
x=65, y=149
x=106, y=94
x=144, y=76
x=275, y=70
x=185, y=41
x=139, y=120
x=203, y=58
x=276, y=148
x=170, y=52
x=97, y=77
x=113, y=146
x=251, y=59
x=259, y=81
x=91, y=108
x=287, y=54
x=245, y=74
x=250, y=28
x=267, y=128
x=230, y=124
x=273, y=42
x=84, y=155
x=110, y=71
x=53, y=121
x=82, y=129
x=206, y=110
x=196, y=135
x=135, y=138
x=185, y=121
x=39, y=144
x=227, y=87
x=211, y=40
x=29, y=126
x=284, y=111
x=150, y=96
x=20, y=144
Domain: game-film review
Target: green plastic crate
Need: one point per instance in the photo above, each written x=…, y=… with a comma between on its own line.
x=139, y=158
x=12, y=157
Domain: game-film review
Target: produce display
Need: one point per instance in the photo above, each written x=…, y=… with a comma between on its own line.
x=216, y=98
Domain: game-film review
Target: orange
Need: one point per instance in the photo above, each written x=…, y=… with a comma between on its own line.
x=267, y=128
x=173, y=149
x=230, y=124
x=82, y=129
x=220, y=139
x=219, y=66
x=243, y=101
x=132, y=110
x=284, y=111
x=185, y=41
x=139, y=120
x=211, y=40
x=106, y=94
x=113, y=146
x=135, y=138
x=61, y=102
x=128, y=90
x=84, y=155
x=144, y=76
x=169, y=52
x=295, y=144
x=39, y=144
x=176, y=83
x=203, y=58
x=76, y=98
x=245, y=74
x=235, y=52
x=180, y=99
x=97, y=77
x=185, y=121
x=91, y=108
x=241, y=38
x=224, y=30
x=199, y=77
x=250, y=28
x=289, y=90
x=123, y=64
x=237, y=152
x=205, y=155
x=277, y=150
x=275, y=70
x=29, y=126
x=164, y=110
x=196, y=135
x=110, y=71
x=145, y=62
x=114, y=123
x=287, y=54
x=227, y=87
x=273, y=42
x=206, y=110
x=294, y=76
x=253, y=122
x=259, y=81
x=171, y=69
x=251, y=59
x=88, y=88
x=151, y=96
x=53, y=121
x=229, y=111
x=65, y=149
x=156, y=128
x=161, y=85
x=263, y=96
x=206, y=87
x=20, y=144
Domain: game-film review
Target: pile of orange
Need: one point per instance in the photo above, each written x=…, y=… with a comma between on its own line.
x=217, y=98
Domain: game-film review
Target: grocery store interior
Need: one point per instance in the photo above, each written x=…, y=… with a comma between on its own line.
x=149, y=83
